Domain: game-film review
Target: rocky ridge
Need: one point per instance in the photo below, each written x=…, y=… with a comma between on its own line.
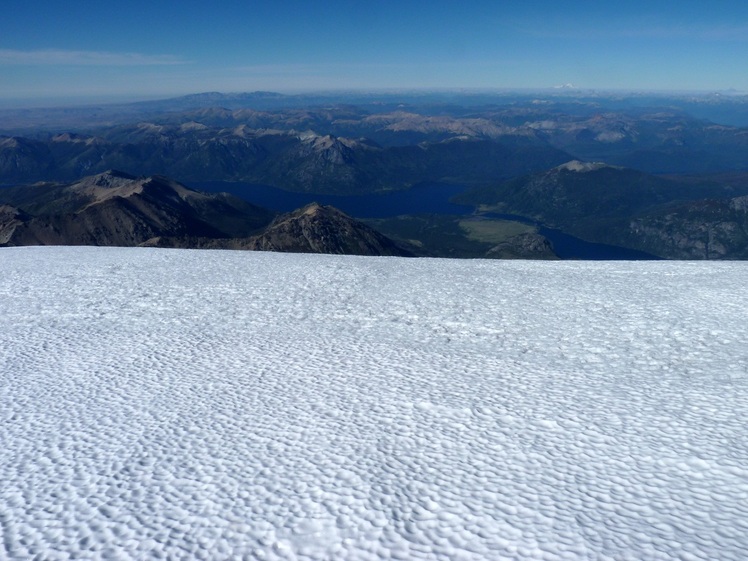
x=117, y=209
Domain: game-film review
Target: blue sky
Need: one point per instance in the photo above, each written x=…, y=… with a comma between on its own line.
x=55, y=50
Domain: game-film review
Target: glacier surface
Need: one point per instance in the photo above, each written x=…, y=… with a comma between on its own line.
x=227, y=405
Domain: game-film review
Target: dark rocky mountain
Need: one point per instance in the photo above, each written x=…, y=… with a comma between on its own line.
x=115, y=208
x=706, y=229
x=22, y=159
x=323, y=229
x=579, y=191
x=312, y=229
x=624, y=207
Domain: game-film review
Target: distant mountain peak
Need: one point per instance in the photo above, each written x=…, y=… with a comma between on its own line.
x=108, y=178
x=316, y=228
x=71, y=137
x=115, y=208
x=9, y=142
x=313, y=208
x=584, y=167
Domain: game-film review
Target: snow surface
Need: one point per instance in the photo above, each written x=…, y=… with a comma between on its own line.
x=228, y=405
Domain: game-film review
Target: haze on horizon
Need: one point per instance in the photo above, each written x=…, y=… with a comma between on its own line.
x=140, y=49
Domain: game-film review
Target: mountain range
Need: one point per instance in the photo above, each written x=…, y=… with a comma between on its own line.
x=648, y=174
x=373, y=146
x=305, y=162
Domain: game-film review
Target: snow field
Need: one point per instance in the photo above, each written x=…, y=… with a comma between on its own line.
x=227, y=405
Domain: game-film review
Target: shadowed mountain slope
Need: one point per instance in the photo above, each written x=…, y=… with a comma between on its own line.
x=627, y=208
x=117, y=209
x=323, y=229
x=114, y=208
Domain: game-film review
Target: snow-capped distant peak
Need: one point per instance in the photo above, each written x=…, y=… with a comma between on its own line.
x=582, y=167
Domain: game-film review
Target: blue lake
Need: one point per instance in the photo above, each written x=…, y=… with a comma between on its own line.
x=427, y=198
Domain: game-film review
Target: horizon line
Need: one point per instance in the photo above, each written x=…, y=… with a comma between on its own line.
x=82, y=100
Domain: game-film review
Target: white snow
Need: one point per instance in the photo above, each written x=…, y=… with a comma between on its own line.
x=584, y=167
x=229, y=405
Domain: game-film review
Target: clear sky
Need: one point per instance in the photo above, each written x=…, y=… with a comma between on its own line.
x=56, y=50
